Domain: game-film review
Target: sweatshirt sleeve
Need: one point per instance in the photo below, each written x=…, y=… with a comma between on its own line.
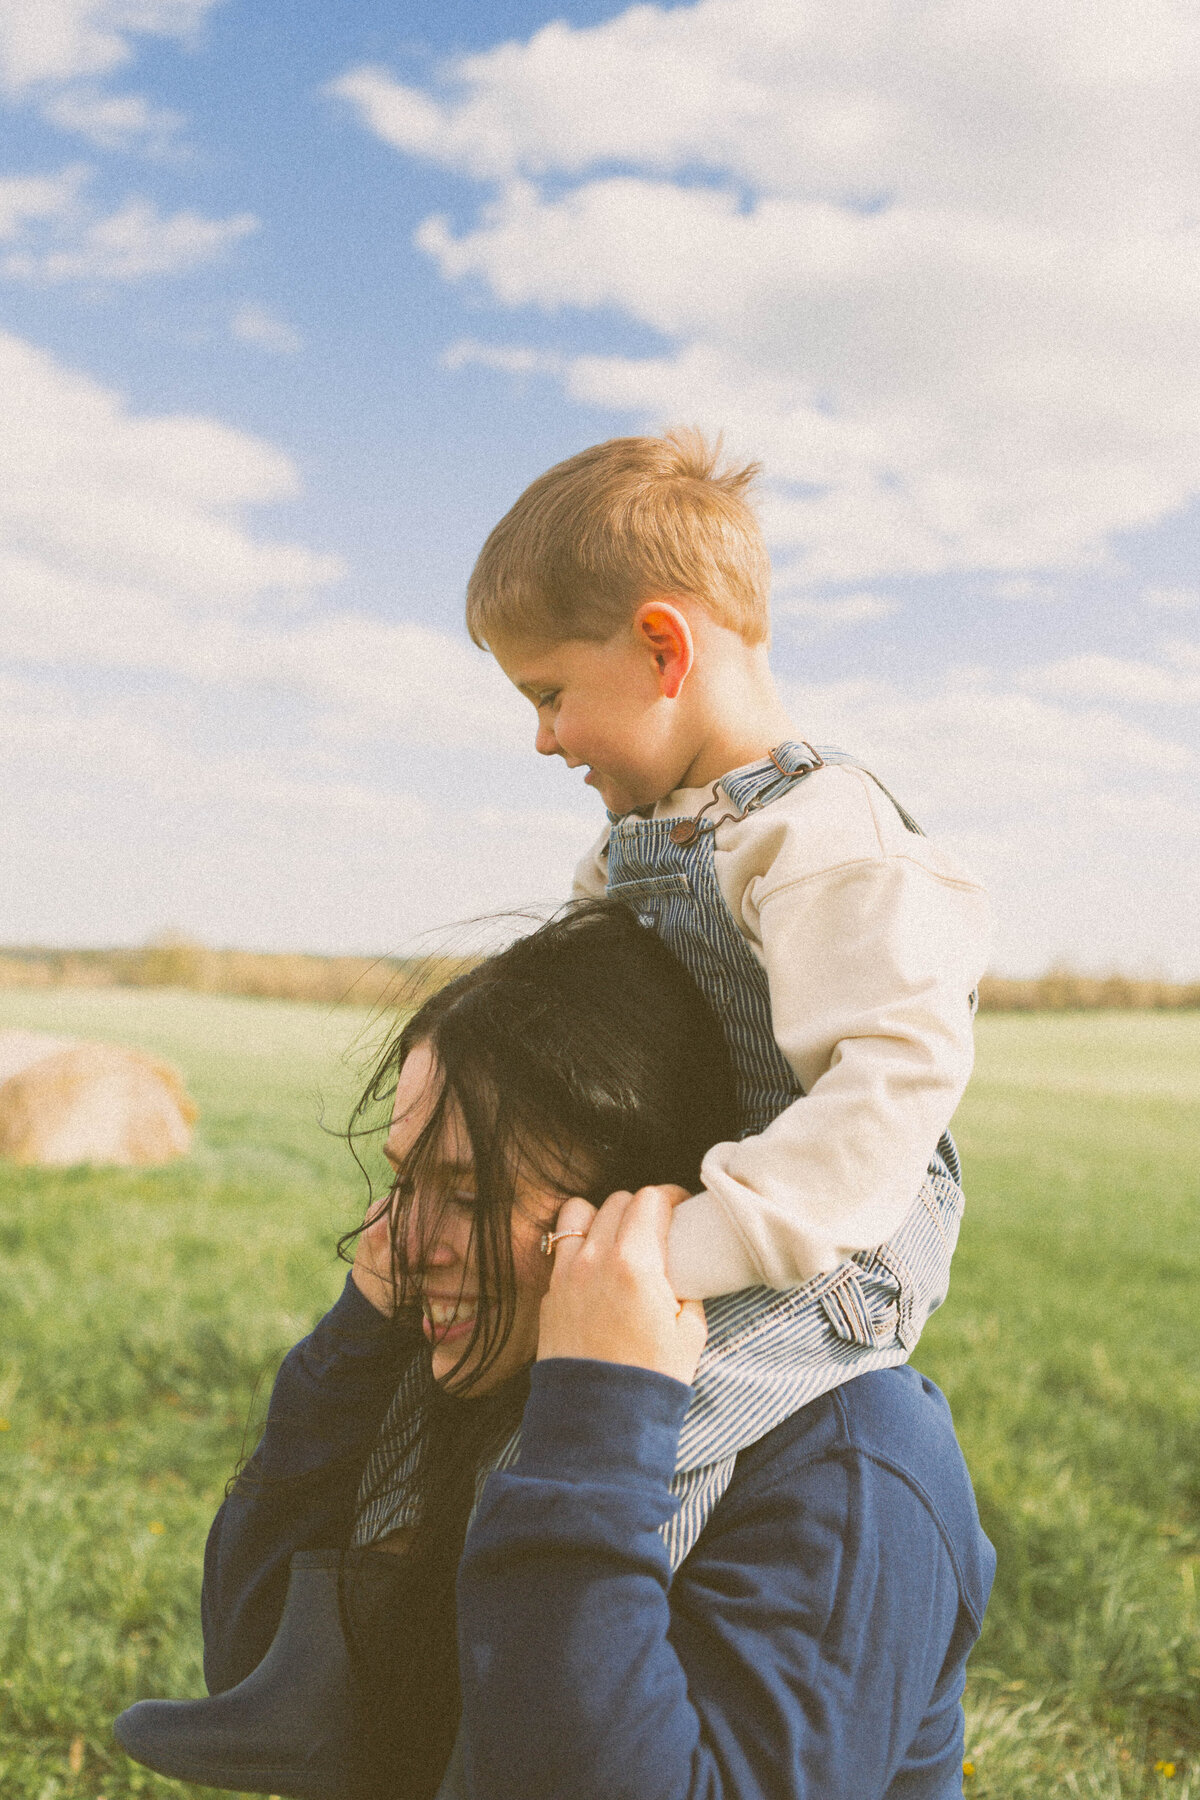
x=870, y=966
x=591, y=872
x=297, y=1492
x=782, y=1660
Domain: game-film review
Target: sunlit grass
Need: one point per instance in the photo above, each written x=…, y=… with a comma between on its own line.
x=141, y=1310
x=1068, y=1351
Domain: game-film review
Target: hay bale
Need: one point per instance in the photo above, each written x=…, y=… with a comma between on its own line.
x=18, y=1049
x=64, y=1101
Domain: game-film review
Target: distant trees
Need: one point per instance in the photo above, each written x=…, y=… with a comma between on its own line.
x=174, y=961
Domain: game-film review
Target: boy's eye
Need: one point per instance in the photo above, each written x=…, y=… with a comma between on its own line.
x=547, y=699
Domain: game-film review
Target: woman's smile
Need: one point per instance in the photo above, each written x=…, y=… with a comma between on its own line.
x=440, y=1226
x=445, y=1321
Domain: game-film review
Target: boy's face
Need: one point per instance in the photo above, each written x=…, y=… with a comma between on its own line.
x=600, y=705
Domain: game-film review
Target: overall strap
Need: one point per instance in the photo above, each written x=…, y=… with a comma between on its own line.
x=789, y=763
x=772, y=775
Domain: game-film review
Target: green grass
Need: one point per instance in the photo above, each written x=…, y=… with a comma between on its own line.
x=141, y=1310
x=1068, y=1351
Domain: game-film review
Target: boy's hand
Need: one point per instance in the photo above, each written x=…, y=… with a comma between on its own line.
x=372, y=1267
x=609, y=1299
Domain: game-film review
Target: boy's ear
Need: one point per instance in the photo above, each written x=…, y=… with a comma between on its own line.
x=662, y=629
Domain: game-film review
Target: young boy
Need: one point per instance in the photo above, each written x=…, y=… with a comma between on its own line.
x=625, y=595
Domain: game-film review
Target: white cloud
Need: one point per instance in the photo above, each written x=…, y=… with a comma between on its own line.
x=368, y=679
x=55, y=235
x=259, y=326
x=1024, y=587
x=45, y=41
x=401, y=116
x=269, y=790
x=997, y=751
x=1172, y=599
x=291, y=736
x=96, y=494
x=1083, y=825
x=25, y=199
x=1084, y=828
x=1184, y=654
x=842, y=609
x=125, y=543
x=820, y=99
x=118, y=818
x=1091, y=676
x=508, y=359
x=132, y=244
x=396, y=681
x=113, y=121
x=940, y=268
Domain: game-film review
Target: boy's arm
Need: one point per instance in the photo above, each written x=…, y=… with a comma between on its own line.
x=870, y=965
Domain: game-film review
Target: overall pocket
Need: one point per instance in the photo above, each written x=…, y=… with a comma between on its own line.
x=647, y=895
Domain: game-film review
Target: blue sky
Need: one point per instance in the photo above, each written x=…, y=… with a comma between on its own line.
x=294, y=300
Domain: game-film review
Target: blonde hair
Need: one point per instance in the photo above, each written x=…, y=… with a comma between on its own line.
x=594, y=536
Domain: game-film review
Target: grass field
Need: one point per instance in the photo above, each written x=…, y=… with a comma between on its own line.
x=140, y=1312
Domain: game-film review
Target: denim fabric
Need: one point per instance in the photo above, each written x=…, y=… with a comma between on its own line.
x=769, y=1352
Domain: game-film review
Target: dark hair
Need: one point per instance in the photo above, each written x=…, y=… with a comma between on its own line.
x=582, y=1054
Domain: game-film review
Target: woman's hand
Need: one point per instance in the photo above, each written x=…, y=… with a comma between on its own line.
x=372, y=1268
x=609, y=1299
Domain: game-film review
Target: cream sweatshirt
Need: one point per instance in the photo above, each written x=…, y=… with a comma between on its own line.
x=872, y=940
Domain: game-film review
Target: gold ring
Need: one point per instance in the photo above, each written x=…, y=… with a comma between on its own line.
x=550, y=1238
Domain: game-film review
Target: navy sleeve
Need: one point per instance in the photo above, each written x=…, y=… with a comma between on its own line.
x=796, y=1653
x=297, y=1491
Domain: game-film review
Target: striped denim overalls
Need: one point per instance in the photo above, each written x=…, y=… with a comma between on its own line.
x=769, y=1351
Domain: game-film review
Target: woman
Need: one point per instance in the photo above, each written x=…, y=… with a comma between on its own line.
x=792, y=1619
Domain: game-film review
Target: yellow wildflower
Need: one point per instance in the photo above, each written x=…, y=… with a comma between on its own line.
x=1165, y=1769
x=968, y=1768
x=156, y=1527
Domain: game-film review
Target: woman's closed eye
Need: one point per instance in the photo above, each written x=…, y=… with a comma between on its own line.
x=403, y=1191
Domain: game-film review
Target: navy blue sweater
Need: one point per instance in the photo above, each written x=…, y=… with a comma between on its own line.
x=811, y=1647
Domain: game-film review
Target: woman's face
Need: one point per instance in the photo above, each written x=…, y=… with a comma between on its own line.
x=440, y=1247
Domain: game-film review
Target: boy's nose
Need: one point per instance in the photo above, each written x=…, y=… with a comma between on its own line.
x=545, y=743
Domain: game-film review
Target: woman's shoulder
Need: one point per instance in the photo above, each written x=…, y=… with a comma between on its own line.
x=887, y=1440
x=895, y=1418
